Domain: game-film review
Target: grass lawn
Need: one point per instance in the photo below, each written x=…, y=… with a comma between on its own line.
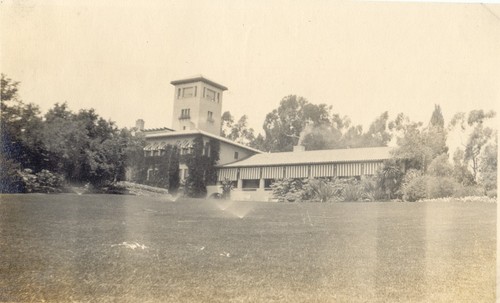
x=105, y=248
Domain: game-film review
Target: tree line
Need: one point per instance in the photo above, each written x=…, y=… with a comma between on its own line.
x=79, y=147
x=83, y=147
x=420, y=161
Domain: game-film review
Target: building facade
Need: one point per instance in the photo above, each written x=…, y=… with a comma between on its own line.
x=197, y=105
x=253, y=176
x=197, y=112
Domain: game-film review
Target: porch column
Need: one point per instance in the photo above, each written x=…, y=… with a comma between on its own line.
x=261, y=184
x=239, y=184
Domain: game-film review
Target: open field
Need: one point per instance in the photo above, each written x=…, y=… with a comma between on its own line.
x=105, y=248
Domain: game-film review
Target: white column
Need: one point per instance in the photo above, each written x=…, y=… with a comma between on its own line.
x=261, y=184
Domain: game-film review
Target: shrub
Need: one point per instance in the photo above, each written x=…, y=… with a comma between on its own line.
x=390, y=178
x=440, y=187
x=492, y=193
x=290, y=190
x=468, y=191
x=440, y=167
x=414, y=186
x=227, y=187
x=44, y=181
x=10, y=179
x=352, y=192
x=324, y=191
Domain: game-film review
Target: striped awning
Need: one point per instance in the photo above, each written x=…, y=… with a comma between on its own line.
x=323, y=170
x=184, y=143
x=297, y=171
x=230, y=174
x=151, y=146
x=272, y=172
x=349, y=169
x=371, y=168
x=250, y=173
x=155, y=146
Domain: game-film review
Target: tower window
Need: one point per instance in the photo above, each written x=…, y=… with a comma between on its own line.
x=185, y=113
x=188, y=92
x=236, y=155
x=209, y=94
x=218, y=97
x=206, y=150
x=178, y=93
x=210, y=117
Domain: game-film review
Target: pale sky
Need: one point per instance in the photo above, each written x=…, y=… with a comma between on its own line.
x=363, y=58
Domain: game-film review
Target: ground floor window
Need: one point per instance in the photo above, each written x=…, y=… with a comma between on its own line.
x=250, y=184
x=268, y=183
x=183, y=173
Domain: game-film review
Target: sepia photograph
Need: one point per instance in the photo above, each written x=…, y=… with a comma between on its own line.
x=249, y=151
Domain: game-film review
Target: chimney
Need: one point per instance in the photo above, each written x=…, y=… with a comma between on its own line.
x=299, y=148
x=139, y=124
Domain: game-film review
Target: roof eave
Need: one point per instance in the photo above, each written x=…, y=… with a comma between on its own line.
x=197, y=79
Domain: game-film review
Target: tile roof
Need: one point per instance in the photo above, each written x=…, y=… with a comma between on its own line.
x=315, y=156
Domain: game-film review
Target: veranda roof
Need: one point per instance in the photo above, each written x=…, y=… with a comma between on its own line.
x=316, y=156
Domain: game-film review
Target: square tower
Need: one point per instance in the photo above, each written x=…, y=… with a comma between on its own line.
x=197, y=104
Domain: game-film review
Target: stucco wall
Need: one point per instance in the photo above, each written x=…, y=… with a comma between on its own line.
x=199, y=108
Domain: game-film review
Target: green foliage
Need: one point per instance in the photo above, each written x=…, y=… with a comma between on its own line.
x=440, y=167
x=42, y=182
x=238, y=132
x=82, y=146
x=324, y=191
x=479, y=136
x=85, y=147
x=417, y=146
x=440, y=187
x=389, y=179
x=227, y=187
x=377, y=134
x=165, y=168
x=417, y=186
x=134, y=153
x=488, y=166
x=288, y=189
x=211, y=162
x=460, y=171
x=437, y=119
x=20, y=129
x=202, y=170
x=296, y=121
x=414, y=186
x=283, y=126
x=468, y=191
x=340, y=134
x=10, y=179
x=353, y=192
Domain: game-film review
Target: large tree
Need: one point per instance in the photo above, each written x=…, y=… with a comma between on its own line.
x=20, y=128
x=236, y=131
x=378, y=133
x=478, y=136
x=284, y=125
x=413, y=148
x=86, y=147
x=419, y=145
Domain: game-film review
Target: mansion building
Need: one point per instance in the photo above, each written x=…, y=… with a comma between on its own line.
x=197, y=112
